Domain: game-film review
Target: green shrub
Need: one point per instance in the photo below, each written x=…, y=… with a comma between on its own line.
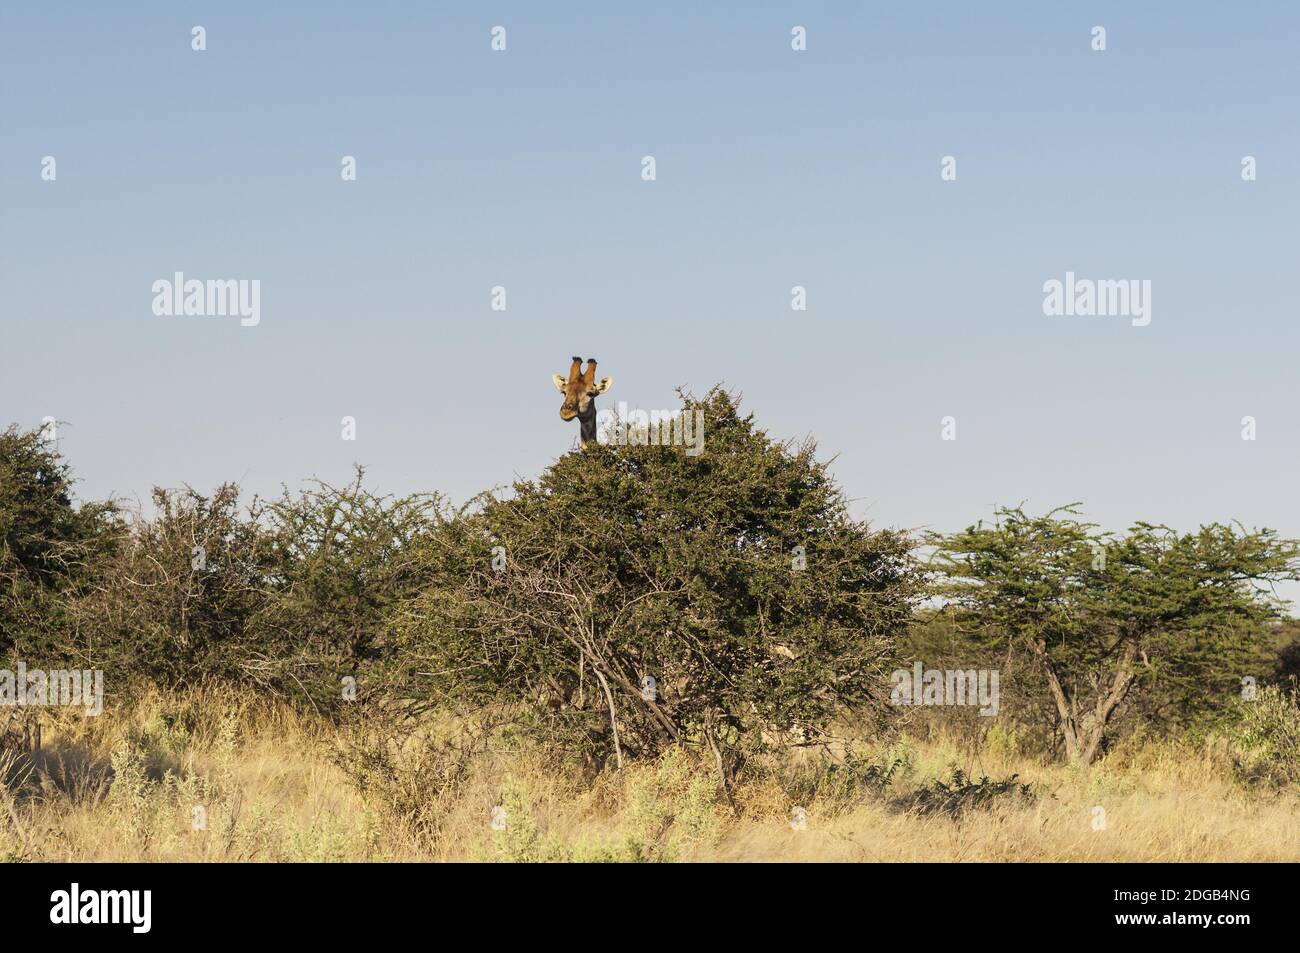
x=837, y=785
x=735, y=578
x=1269, y=736
x=671, y=808
x=337, y=562
x=409, y=771
x=49, y=547
x=176, y=602
x=961, y=794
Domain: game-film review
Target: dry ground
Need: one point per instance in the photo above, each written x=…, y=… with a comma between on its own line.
x=194, y=778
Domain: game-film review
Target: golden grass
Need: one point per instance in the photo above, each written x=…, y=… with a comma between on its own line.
x=124, y=787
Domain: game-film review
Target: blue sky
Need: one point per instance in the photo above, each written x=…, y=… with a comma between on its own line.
x=775, y=168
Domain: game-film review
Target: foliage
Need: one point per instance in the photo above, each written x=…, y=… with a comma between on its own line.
x=837, y=785
x=735, y=579
x=1155, y=613
x=407, y=770
x=623, y=563
x=669, y=812
x=176, y=602
x=1269, y=735
x=292, y=594
x=48, y=545
x=336, y=564
x=671, y=808
x=960, y=794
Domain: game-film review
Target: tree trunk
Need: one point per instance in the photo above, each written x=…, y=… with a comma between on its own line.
x=1107, y=703
x=719, y=762
x=1085, y=731
x=1064, y=709
x=613, y=717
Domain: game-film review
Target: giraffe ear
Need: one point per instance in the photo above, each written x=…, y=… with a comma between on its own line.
x=605, y=384
x=559, y=382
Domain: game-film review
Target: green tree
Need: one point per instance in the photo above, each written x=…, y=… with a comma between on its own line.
x=735, y=579
x=48, y=543
x=1105, y=618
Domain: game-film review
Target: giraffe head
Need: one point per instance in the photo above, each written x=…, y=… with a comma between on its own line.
x=580, y=389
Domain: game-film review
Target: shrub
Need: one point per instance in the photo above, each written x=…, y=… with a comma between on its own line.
x=337, y=561
x=671, y=808
x=291, y=595
x=837, y=786
x=735, y=579
x=961, y=794
x=409, y=771
x=1269, y=735
x=48, y=546
x=667, y=809
x=176, y=602
x=520, y=839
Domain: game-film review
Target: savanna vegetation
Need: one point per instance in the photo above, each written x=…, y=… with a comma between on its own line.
x=639, y=655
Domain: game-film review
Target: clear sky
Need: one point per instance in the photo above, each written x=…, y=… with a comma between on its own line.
x=775, y=168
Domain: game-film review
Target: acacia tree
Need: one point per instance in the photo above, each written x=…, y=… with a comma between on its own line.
x=1104, y=617
x=735, y=579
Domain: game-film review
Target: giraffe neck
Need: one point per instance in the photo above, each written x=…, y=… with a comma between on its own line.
x=587, y=424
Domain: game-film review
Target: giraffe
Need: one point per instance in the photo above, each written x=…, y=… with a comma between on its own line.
x=580, y=389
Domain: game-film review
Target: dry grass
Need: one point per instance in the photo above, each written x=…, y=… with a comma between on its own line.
x=124, y=787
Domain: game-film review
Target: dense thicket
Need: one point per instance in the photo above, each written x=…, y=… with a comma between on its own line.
x=635, y=597
x=638, y=596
